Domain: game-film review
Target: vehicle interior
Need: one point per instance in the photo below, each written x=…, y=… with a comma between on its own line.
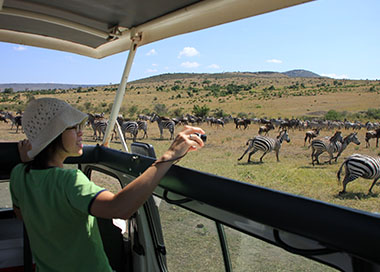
x=194, y=221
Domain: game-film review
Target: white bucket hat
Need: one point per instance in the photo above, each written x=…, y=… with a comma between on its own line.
x=45, y=119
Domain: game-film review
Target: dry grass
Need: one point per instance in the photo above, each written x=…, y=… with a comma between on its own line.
x=294, y=174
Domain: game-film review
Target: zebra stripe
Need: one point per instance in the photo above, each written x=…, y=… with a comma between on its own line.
x=266, y=145
x=331, y=146
x=99, y=127
x=130, y=127
x=358, y=165
x=164, y=124
x=143, y=125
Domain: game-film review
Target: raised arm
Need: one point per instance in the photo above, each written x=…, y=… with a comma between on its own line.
x=130, y=198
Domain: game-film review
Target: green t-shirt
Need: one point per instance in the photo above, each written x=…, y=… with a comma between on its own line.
x=55, y=206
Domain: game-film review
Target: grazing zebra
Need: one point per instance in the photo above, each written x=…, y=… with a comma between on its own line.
x=16, y=120
x=143, y=117
x=358, y=165
x=164, y=123
x=143, y=125
x=372, y=134
x=266, y=145
x=266, y=128
x=99, y=126
x=131, y=127
x=310, y=135
x=322, y=145
x=351, y=138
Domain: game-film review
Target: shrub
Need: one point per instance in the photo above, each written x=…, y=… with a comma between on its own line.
x=200, y=111
x=160, y=109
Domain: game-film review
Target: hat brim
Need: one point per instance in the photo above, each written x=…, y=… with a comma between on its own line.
x=68, y=117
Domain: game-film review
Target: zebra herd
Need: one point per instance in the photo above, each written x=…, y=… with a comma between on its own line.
x=99, y=126
x=356, y=165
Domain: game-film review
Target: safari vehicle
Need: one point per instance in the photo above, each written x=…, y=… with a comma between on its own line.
x=194, y=221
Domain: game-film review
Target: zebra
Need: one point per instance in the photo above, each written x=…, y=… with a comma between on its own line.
x=321, y=145
x=164, y=123
x=131, y=127
x=310, y=134
x=143, y=125
x=358, y=165
x=351, y=138
x=16, y=120
x=99, y=126
x=266, y=145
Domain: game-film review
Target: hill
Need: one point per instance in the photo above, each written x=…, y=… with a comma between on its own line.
x=228, y=75
x=39, y=86
x=300, y=73
x=164, y=77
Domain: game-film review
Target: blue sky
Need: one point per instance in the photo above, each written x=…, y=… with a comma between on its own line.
x=336, y=38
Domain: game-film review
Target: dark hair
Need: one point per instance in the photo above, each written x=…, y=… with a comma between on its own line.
x=41, y=160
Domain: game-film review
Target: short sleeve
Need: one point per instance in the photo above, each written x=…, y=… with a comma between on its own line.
x=81, y=191
x=14, y=184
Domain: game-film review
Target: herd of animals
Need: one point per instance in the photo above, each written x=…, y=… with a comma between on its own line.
x=356, y=165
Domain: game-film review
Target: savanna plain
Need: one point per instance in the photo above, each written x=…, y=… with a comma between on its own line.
x=240, y=95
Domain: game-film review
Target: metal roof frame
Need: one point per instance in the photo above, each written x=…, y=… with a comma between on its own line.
x=97, y=29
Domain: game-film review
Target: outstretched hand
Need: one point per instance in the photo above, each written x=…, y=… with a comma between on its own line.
x=23, y=147
x=185, y=141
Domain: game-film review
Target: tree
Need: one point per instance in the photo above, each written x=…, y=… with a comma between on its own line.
x=200, y=111
x=160, y=109
x=132, y=110
x=333, y=115
x=8, y=90
x=178, y=112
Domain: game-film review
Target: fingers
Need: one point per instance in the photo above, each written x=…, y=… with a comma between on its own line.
x=25, y=144
x=192, y=139
x=186, y=141
x=23, y=147
x=189, y=130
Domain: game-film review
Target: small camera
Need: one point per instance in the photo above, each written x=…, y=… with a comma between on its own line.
x=202, y=136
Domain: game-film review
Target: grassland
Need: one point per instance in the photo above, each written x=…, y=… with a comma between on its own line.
x=289, y=97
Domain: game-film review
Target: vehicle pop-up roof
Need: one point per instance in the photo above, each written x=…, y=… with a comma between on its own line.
x=98, y=29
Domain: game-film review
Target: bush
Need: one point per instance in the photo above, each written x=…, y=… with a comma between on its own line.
x=373, y=113
x=333, y=115
x=200, y=111
x=160, y=109
x=132, y=110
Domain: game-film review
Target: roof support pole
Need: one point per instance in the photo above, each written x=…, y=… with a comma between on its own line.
x=121, y=90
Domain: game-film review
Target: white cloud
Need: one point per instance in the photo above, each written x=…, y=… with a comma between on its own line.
x=188, y=52
x=274, y=61
x=151, y=71
x=189, y=64
x=154, y=64
x=214, y=66
x=335, y=76
x=19, y=48
x=151, y=52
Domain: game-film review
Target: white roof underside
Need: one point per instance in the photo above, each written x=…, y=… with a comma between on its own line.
x=98, y=28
